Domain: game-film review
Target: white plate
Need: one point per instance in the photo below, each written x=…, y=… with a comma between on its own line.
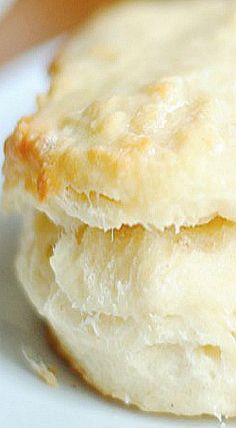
x=25, y=401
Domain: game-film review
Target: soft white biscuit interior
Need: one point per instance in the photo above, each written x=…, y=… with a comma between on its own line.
x=150, y=317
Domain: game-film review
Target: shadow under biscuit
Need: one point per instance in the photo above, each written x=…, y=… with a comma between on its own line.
x=17, y=317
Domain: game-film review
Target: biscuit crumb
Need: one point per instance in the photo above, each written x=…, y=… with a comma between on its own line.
x=46, y=373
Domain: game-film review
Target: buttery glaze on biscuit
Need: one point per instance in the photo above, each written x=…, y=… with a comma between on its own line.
x=139, y=124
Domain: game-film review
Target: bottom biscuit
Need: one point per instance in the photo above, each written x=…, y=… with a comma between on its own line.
x=148, y=318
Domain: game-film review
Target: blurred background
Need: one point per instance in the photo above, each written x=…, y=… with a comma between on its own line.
x=25, y=23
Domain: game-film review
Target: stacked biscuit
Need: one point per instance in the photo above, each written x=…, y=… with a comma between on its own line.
x=126, y=180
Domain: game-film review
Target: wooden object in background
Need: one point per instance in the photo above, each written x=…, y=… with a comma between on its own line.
x=30, y=22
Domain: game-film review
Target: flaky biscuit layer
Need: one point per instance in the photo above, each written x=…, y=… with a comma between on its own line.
x=148, y=317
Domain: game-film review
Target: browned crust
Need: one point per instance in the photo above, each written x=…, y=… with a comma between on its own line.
x=44, y=173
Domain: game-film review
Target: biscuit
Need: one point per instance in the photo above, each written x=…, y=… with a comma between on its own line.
x=134, y=141
x=149, y=318
x=138, y=126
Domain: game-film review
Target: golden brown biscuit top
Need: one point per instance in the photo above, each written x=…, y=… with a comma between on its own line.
x=139, y=125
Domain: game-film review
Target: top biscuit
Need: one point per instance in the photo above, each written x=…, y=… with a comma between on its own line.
x=139, y=125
